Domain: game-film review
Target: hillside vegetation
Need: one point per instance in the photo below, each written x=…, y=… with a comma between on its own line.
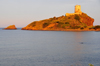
x=76, y=21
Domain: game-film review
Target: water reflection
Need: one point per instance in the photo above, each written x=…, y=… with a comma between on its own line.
x=78, y=48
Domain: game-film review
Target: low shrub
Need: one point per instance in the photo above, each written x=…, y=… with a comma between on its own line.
x=97, y=27
x=33, y=24
x=45, y=25
x=91, y=65
x=75, y=27
x=66, y=22
x=77, y=17
x=63, y=26
x=85, y=26
x=68, y=17
x=81, y=28
x=60, y=24
x=57, y=22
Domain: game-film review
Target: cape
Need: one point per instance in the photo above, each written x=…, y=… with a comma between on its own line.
x=76, y=21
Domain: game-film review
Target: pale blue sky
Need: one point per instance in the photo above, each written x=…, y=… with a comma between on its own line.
x=23, y=12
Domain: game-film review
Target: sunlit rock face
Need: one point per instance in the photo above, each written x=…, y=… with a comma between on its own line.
x=11, y=27
x=87, y=19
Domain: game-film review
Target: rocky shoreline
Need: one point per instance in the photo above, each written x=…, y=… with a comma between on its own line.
x=66, y=30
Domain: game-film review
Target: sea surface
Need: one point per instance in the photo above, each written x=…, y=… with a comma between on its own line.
x=49, y=48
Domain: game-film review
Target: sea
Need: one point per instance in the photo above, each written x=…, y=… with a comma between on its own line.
x=49, y=48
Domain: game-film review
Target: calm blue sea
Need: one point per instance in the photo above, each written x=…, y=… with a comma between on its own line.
x=49, y=48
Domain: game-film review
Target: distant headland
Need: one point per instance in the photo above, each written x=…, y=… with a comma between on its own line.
x=77, y=21
x=70, y=22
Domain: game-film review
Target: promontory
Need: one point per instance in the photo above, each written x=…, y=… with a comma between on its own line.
x=70, y=21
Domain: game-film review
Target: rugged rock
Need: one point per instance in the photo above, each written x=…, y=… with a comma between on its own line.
x=11, y=27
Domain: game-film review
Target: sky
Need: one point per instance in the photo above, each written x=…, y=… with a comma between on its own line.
x=22, y=12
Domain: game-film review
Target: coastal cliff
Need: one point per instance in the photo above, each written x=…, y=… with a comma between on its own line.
x=76, y=21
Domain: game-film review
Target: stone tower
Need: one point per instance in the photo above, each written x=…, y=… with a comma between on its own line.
x=78, y=9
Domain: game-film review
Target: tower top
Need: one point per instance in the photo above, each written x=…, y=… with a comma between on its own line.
x=78, y=9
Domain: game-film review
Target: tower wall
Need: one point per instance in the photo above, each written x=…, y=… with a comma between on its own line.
x=78, y=9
